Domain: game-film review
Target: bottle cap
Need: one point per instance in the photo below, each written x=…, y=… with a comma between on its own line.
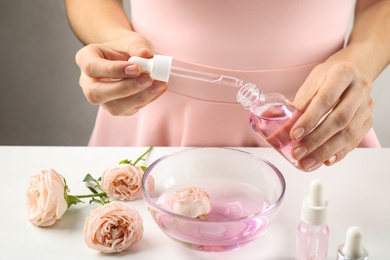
x=352, y=249
x=159, y=67
x=315, y=207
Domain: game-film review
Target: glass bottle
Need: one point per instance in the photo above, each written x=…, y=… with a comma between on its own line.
x=272, y=117
x=313, y=232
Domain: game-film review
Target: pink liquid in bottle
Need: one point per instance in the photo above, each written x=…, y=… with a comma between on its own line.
x=312, y=242
x=273, y=123
x=272, y=116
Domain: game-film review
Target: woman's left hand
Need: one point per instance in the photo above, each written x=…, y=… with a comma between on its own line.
x=339, y=87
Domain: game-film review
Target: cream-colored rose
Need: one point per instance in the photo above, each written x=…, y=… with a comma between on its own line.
x=45, y=198
x=113, y=227
x=191, y=202
x=124, y=182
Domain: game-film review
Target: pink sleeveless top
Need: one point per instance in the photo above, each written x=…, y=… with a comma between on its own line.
x=272, y=43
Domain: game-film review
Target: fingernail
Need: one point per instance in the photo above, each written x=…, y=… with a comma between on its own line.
x=144, y=81
x=298, y=133
x=332, y=159
x=131, y=70
x=157, y=87
x=308, y=162
x=300, y=152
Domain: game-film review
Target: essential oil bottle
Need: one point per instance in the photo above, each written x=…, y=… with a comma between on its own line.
x=272, y=116
x=313, y=232
x=352, y=248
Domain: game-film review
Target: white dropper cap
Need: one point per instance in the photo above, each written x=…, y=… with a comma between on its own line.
x=159, y=67
x=352, y=249
x=315, y=207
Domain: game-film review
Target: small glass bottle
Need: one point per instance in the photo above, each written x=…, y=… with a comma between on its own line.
x=313, y=232
x=352, y=249
x=272, y=117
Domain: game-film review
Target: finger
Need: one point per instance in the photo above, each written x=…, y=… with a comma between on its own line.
x=131, y=104
x=355, y=100
x=339, y=77
x=339, y=118
x=309, y=88
x=93, y=62
x=98, y=92
x=337, y=146
x=135, y=44
x=347, y=114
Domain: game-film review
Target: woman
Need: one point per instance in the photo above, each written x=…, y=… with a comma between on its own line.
x=292, y=47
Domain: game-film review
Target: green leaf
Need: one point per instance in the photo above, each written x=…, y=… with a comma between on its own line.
x=72, y=200
x=89, y=178
x=144, y=168
x=101, y=201
x=92, y=190
x=125, y=161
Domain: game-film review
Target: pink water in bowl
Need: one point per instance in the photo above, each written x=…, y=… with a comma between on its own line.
x=235, y=218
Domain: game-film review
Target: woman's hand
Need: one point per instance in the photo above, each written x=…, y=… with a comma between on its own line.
x=339, y=87
x=110, y=80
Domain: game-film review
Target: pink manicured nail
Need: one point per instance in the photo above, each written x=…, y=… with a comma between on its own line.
x=309, y=162
x=144, y=81
x=332, y=159
x=298, y=133
x=300, y=152
x=131, y=70
x=157, y=87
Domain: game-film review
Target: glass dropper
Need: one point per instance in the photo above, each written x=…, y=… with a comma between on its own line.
x=160, y=68
x=207, y=77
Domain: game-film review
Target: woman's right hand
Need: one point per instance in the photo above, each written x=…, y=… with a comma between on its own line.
x=110, y=80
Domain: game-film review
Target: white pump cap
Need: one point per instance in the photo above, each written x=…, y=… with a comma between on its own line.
x=159, y=67
x=315, y=207
x=352, y=248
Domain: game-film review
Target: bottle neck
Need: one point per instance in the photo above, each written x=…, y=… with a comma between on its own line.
x=248, y=95
x=251, y=98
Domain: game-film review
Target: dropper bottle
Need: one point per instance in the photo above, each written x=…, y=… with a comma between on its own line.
x=313, y=232
x=271, y=115
x=160, y=68
x=352, y=249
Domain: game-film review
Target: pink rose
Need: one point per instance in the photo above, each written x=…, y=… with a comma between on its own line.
x=45, y=198
x=124, y=182
x=113, y=227
x=190, y=202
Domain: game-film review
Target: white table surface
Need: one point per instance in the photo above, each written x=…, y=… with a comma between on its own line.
x=358, y=191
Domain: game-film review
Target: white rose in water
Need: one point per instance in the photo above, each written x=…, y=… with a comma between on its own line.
x=190, y=202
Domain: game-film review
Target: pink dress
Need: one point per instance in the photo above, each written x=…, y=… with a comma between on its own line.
x=272, y=43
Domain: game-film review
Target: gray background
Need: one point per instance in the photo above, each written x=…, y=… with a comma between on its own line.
x=41, y=102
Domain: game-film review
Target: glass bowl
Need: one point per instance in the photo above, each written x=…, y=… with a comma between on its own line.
x=245, y=193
